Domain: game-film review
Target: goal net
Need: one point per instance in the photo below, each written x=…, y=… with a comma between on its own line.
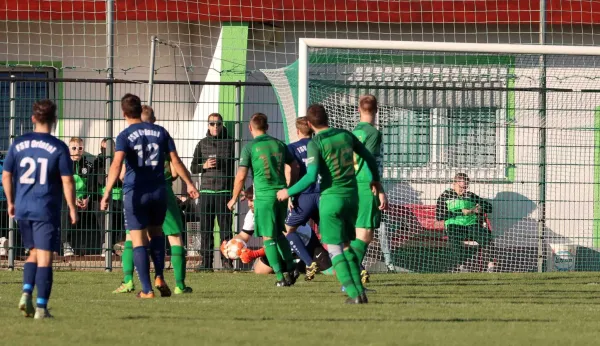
x=521, y=128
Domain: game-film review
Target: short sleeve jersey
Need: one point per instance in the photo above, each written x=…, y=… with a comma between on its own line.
x=266, y=156
x=146, y=147
x=298, y=150
x=372, y=139
x=333, y=151
x=38, y=161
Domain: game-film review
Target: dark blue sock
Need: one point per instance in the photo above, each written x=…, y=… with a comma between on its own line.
x=299, y=248
x=43, y=281
x=157, y=248
x=29, y=270
x=142, y=265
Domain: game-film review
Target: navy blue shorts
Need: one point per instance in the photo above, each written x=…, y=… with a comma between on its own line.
x=144, y=208
x=41, y=235
x=306, y=207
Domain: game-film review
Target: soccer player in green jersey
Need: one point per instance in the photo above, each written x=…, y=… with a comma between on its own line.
x=172, y=227
x=330, y=155
x=369, y=204
x=267, y=157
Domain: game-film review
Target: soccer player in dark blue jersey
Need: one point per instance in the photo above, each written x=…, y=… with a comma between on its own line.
x=306, y=205
x=37, y=170
x=143, y=147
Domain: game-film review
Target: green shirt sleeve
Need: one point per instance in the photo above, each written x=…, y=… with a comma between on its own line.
x=246, y=156
x=366, y=155
x=312, y=170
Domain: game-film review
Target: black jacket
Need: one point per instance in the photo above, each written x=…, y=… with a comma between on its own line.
x=97, y=177
x=219, y=178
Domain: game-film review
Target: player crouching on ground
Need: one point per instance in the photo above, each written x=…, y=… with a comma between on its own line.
x=330, y=155
x=36, y=172
x=318, y=254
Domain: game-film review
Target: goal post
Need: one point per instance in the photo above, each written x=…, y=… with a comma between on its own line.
x=446, y=108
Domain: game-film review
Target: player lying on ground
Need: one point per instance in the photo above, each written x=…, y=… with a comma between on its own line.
x=143, y=147
x=172, y=228
x=369, y=204
x=330, y=154
x=307, y=236
x=37, y=170
x=267, y=157
x=304, y=207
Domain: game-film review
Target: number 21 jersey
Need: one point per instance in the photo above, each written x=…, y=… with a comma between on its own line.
x=37, y=162
x=145, y=146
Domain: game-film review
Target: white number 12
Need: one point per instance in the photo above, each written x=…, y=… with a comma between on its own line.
x=151, y=152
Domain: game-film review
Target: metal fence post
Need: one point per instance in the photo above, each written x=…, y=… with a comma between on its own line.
x=238, y=147
x=542, y=143
x=109, y=126
x=11, y=221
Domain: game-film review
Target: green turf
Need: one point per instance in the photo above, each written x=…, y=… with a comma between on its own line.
x=246, y=309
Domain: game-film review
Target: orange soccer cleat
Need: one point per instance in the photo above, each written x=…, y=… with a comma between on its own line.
x=143, y=295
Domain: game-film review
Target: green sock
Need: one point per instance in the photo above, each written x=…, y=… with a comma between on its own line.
x=360, y=249
x=273, y=256
x=127, y=261
x=283, y=245
x=178, y=261
x=342, y=272
x=354, y=266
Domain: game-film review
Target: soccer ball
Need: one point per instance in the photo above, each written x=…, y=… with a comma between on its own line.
x=233, y=248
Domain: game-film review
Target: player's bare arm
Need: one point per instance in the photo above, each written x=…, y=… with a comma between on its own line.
x=174, y=173
x=185, y=175
x=238, y=185
x=113, y=175
x=68, y=184
x=7, y=183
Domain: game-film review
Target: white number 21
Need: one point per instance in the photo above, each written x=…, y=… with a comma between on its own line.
x=151, y=154
x=28, y=177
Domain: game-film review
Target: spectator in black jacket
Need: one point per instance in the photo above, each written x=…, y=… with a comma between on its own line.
x=214, y=160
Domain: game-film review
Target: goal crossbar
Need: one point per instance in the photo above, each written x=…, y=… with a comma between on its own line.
x=306, y=43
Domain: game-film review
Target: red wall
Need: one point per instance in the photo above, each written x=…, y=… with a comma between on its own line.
x=396, y=11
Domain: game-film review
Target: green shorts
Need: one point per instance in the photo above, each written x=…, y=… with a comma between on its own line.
x=369, y=215
x=269, y=217
x=173, y=224
x=338, y=217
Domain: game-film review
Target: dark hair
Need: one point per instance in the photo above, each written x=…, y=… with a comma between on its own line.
x=131, y=106
x=249, y=193
x=317, y=115
x=211, y=115
x=259, y=122
x=461, y=177
x=368, y=103
x=44, y=111
x=302, y=126
x=148, y=114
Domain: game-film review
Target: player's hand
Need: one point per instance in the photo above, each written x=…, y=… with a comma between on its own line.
x=383, y=202
x=231, y=204
x=376, y=188
x=282, y=195
x=290, y=204
x=245, y=256
x=73, y=215
x=104, y=203
x=476, y=210
x=83, y=203
x=210, y=163
x=193, y=192
x=11, y=210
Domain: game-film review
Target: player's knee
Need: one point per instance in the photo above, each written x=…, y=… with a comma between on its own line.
x=32, y=256
x=335, y=249
x=289, y=229
x=261, y=268
x=175, y=240
x=44, y=258
x=364, y=234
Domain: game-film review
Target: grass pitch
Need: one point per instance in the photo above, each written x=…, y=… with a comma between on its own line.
x=246, y=309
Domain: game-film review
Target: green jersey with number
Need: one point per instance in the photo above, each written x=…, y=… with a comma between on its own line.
x=333, y=151
x=266, y=156
x=371, y=138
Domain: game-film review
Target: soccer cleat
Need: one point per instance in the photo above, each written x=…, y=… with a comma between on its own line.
x=42, y=313
x=126, y=287
x=182, y=291
x=68, y=250
x=162, y=287
x=356, y=300
x=282, y=283
x=290, y=278
x=363, y=298
x=143, y=295
x=364, y=276
x=311, y=271
x=26, y=305
x=390, y=268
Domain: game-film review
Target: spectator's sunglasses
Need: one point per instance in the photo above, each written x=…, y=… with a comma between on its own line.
x=77, y=148
x=217, y=123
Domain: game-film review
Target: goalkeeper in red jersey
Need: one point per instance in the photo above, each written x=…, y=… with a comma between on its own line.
x=261, y=265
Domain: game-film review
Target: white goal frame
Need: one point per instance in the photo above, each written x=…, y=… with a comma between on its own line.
x=305, y=43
